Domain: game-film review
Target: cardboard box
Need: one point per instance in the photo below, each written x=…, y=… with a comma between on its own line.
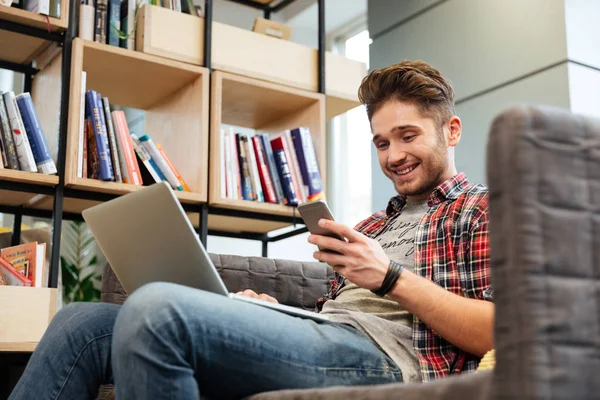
x=272, y=28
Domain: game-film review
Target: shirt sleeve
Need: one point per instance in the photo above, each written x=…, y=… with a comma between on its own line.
x=477, y=275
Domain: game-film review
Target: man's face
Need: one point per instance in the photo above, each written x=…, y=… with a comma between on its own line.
x=411, y=149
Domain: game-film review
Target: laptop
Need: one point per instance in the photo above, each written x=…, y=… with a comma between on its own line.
x=147, y=237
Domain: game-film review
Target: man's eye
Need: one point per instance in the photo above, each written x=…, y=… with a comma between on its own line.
x=408, y=138
x=382, y=146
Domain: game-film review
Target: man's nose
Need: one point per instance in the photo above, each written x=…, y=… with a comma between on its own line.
x=396, y=154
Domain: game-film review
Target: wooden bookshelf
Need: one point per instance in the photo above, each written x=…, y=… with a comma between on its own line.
x=269, y=108
x=29, y=311
x=20, y=48
x=251, y=54
x=174, y=96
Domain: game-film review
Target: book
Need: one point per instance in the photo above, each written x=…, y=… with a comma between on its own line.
x=114, y=22
x=7, y=137
x=93, y=162
x=101, y=21
x=82, y=136
x=283, y=168
x=24, y=153
x=152, y=173
x=225, y=172
x=37, y=6
x=112, y=141
x=290, y=154
x=39, y=146
x=149, y=145
x=2, y=278
x=13, y=277
x=87, y=18
x=272, y=167
x=130, y=169
x=163, y=153
x=257, y=187
x=245, y=180
x=28, y=259
x=93, y=106
x=263, y=171
x=307, y=160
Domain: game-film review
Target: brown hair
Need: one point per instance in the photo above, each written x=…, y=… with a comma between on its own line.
x=414, y=82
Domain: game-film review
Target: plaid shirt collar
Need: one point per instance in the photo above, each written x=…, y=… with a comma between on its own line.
x=448, y=190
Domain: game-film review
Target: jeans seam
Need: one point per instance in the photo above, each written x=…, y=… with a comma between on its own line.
x=316, y=367
x=77, y=359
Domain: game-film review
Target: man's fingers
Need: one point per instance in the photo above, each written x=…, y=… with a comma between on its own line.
x=331, y=258
x=342, y=230
x=268, y=298
x=248, y=293
x=325, y=242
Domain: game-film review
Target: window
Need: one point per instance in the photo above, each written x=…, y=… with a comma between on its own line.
x=349, y=169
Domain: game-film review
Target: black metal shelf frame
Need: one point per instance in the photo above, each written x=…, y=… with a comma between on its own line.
x=59, y=192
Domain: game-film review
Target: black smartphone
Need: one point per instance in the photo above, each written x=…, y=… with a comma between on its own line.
x=311, y=213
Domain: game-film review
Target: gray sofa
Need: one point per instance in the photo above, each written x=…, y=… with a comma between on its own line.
x=544, y=177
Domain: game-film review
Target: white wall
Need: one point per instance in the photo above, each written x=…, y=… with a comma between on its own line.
x=495, y=52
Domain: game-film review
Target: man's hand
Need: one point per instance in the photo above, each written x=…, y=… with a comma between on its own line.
x=361, y=260
x=253, y=294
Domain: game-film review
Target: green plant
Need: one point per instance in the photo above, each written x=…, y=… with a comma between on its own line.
x=79, y=262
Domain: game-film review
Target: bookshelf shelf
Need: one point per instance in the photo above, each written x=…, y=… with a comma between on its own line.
x=246, y=53
x=28, y=321
x=21, y=49
x=28, y=177
x=174, y=96
x=268, y=108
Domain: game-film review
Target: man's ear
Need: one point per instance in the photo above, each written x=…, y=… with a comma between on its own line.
x=454, y=131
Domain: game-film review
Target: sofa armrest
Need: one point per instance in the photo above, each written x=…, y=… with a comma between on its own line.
x=294, y=283
x=471, y=386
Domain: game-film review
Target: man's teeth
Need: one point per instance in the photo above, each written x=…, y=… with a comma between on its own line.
x=405, y=171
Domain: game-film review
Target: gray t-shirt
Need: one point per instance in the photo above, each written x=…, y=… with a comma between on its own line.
x=382, y=319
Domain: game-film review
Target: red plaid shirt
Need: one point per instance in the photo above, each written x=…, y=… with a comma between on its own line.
x=452, y=250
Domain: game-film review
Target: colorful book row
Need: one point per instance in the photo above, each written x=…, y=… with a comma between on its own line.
x=108, y=151
x=24, y=265
x=282, y=169
x=22, y=141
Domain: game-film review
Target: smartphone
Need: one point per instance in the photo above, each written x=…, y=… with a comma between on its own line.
x=311, y=213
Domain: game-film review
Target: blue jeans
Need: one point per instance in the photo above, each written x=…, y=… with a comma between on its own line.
x=173, y=342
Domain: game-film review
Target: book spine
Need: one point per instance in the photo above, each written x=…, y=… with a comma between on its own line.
x=246, y=182
x=283, y=168
x=87, y=18
x=114, y=22
x=272, y=168
x=307, y=160
x=26, y=160
x=101, y=21
x=82, y=135
x=105, y=136
x=146, y=160
x=254, y=170
x=149, y=145
x=112, y=141
x=55, y=8
x=100, y=135
x=235, y=167
x=224, y=173
x=126, y=143
x=7, y=137
x=86, y=130
x=293, y=163
x=35, y=134
x=13, y=277
x=4, y=163
x=93, y=168
x=263, y=171
x=163, y=153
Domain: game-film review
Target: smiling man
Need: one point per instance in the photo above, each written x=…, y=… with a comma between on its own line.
x=426, y=257
x=411, y=302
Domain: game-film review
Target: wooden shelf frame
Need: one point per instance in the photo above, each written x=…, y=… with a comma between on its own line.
x=269, y=108
x=23, y=48
x=174, y=96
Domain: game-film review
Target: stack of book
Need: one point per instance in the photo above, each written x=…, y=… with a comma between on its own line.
x=281, y=169
x=109, y=152
x=22, y=141
x=24, y=265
